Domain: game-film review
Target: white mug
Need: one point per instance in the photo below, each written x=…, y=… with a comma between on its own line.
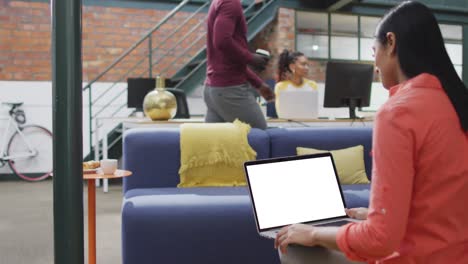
x=263, y=52
x=108, y=166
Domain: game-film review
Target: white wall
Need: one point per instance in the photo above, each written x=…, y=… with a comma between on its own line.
x=37, y=98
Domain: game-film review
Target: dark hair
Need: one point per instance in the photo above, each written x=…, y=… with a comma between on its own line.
x=420, y=49
x=285, y=58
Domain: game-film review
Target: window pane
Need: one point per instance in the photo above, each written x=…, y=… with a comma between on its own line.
x=451, y=32
x=455, y=53
x=368, y=26
x=379, y=95
x=313, y=23
x=344, y=25
x=366, y=49
x=344, y=48
x=313, y=46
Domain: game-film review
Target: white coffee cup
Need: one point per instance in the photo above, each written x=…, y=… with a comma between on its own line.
x=263, y=52
x=108, y=166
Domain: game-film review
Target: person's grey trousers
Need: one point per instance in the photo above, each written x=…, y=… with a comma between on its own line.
x=225, y=104
x=313, y=255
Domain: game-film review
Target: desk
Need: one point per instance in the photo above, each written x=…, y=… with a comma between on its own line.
x=277, y=122
x=91, y=178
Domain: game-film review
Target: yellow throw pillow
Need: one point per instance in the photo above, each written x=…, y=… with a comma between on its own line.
x=349, y=163
x=213, y=154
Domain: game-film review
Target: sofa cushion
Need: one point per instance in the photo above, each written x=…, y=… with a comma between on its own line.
x=181, y=225
x=205, y=199
x=153, y=155
x=356, y=195
x=284, y=141
x=349, y=163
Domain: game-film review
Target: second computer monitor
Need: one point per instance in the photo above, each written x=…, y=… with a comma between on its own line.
x=137, y=90
x=348, y=85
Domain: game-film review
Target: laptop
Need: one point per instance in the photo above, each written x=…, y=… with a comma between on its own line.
x=300, y=189
x=298, y=104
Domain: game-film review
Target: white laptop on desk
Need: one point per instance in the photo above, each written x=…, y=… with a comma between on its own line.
x=298, y=104
x=299, y=189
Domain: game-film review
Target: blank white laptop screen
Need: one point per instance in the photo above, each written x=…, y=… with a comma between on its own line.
x=300, y=104
x=295, y=191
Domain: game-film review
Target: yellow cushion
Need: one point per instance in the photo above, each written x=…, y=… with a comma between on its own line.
x=349, y=163
x=214, y=154
x=216, y=175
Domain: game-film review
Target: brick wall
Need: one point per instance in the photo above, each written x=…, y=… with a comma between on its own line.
x=25, y=41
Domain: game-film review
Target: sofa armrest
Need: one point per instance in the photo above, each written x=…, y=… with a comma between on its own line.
x=192, y=225
x=153, y=155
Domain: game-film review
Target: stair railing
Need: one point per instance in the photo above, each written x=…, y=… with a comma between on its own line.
x=164, y=71
x=151, y=62
x=148, y=37
x=262, y=6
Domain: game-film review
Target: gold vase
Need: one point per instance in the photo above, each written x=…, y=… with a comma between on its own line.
x=160, y=104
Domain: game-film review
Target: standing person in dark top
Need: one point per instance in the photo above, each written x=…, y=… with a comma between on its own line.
x=228, y=90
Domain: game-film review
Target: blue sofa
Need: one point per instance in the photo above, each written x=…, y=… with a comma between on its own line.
x=165, y=224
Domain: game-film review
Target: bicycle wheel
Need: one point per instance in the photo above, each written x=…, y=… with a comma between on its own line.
x=38, y=166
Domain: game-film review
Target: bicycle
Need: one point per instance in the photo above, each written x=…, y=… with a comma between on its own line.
x=29, y=148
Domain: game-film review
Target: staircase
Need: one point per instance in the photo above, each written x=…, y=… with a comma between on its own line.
x=184, y=60
x=258, y=16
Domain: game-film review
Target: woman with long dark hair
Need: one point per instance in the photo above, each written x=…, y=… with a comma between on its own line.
x=293, y=67
x=417, y=212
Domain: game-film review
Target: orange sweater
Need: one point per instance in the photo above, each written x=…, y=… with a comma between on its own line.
x=418, y=210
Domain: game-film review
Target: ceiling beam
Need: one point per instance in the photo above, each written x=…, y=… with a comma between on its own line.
x=434, y=5
x=337, y=5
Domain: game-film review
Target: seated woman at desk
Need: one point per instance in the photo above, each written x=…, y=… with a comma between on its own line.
x=293, y=68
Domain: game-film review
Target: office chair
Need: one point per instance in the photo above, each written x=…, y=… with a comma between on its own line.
x=270, y=107
x=182, y=107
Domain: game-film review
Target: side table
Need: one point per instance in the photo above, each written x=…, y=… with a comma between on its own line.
x=91, y=178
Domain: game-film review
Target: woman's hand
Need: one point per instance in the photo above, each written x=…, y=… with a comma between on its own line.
x=295, y=234
x=358, y=213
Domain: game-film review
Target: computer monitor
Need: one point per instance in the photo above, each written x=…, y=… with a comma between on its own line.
x=137, y=90
x=182, y=106
x=348, y=85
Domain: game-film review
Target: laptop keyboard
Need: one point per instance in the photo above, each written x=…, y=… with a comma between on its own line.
x=336, y=223
x=272, y=233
